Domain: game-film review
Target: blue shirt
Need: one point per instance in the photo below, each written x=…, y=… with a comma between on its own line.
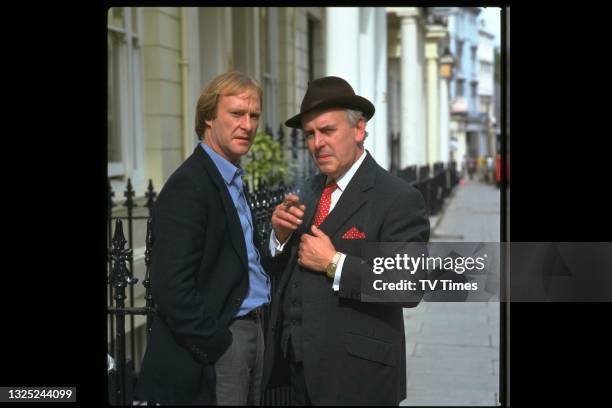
x=259, y=282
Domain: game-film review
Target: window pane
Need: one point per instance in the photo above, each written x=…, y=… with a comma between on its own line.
x=115, y=17
x=135, y=20
x=113, y=136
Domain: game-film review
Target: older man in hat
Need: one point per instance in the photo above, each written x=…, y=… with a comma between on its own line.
x=334, y=348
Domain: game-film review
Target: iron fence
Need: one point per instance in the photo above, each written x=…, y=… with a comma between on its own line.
x=436, y=187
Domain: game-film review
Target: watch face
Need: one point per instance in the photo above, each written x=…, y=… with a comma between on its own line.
x=330, y=270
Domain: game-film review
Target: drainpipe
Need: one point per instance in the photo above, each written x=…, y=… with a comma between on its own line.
x=184, y=65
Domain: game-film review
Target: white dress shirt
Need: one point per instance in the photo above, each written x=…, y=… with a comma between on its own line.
x=276, y=247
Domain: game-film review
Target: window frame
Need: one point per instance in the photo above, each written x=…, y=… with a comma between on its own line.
x=128, y=86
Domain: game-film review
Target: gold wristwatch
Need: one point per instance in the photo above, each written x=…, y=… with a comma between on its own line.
x=330, y=270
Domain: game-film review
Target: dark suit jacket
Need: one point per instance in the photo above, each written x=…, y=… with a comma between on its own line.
x=199, y=278
x=354, y=352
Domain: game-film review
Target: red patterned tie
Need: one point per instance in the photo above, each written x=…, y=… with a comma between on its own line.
x=324, y=203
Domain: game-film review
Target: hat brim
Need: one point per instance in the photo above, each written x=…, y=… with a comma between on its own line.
x=354, y=102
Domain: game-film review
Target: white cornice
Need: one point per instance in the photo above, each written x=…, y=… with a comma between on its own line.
x=406, y=12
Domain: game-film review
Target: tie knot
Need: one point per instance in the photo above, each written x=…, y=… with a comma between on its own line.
x=330, y=188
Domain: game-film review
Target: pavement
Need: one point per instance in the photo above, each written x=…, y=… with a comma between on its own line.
x=452, y=348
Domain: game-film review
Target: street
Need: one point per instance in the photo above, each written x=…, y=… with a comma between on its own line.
x=452, y=348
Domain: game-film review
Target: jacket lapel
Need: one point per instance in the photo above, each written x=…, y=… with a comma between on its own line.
x=235, y=230
x=353, y=198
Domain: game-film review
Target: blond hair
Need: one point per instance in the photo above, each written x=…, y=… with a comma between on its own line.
x=227, y=84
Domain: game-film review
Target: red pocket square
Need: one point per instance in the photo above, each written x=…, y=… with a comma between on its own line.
x=354, y=233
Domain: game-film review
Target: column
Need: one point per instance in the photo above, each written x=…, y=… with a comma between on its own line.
x=342, y=36
x=412, y=78
x=444, y=121
x=380, y=128
x=367, y=62
x=434, y=34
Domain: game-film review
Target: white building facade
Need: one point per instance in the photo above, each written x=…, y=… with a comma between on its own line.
x=465, y=124
x=418, y=88
x=486, y=88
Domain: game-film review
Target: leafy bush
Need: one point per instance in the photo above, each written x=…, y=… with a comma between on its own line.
x=266, y=162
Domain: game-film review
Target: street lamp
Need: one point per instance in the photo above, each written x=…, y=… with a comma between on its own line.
x=446, y=64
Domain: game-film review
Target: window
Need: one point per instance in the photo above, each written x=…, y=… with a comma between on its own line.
x=270, y=75
x=124, y=95
x=311, y=32
x=459, y=45
x=473, y=96
x=485, y=102
x=460, y=90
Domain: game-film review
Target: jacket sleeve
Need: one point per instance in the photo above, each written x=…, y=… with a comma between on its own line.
x=405, y=221
x=179, y=225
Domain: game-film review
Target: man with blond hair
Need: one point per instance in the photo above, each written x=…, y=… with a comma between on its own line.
x=207, y=280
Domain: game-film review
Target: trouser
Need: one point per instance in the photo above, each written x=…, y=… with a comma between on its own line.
x=240, y=368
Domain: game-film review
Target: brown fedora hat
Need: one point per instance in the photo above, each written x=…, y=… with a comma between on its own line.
x=327, y=93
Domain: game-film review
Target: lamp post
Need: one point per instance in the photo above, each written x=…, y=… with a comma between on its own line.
x=446, y=64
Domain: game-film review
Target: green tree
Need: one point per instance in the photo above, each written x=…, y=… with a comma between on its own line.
x=266, y=162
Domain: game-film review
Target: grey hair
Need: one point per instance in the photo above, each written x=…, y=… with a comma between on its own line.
x=353, y=116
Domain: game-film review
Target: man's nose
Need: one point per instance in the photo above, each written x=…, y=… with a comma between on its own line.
x=246, y=122
x=318, y=140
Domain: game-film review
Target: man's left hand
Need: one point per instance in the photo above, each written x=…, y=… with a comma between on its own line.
x=316, y=251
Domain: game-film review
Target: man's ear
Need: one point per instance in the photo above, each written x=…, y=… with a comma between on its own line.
x=360, y=131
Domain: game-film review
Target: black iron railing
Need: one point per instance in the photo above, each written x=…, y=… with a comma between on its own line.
x=436, y=187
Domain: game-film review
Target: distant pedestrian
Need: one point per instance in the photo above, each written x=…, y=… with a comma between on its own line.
x=471, y=164
x=490, y=169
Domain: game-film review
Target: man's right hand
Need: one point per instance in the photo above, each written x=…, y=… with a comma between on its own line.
x=287, y=217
